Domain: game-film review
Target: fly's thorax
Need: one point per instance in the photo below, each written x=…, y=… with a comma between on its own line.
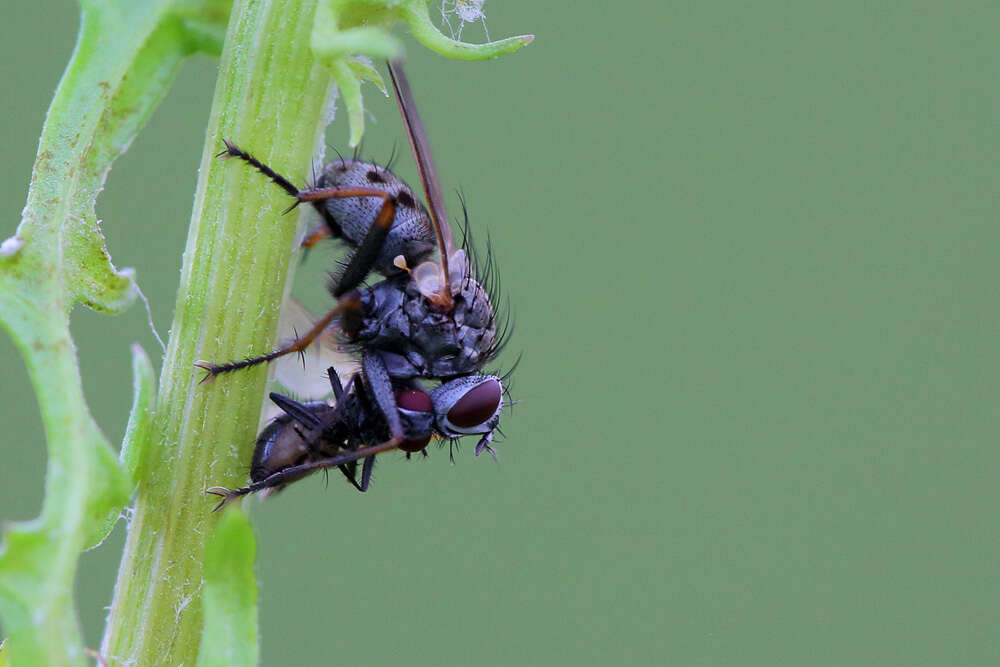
x=411, y=235
x=417, y=340
x=455, y=343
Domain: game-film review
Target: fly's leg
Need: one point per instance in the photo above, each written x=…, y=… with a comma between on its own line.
x=314, y=236
x=293, y=473
x=347, y=308
x=378, y=386
x=350, y=469
x=376, y=382
x=297, y=411
x=366, y=473
x=338, y=388
x=363, y=259
x=360, y=265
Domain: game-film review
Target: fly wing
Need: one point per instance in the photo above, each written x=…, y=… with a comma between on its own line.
x=422, y=155
x=425, y=166
x=305, y=377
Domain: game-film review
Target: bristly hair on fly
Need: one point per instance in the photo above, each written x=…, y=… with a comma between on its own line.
x=484, y=270
x=482, y=267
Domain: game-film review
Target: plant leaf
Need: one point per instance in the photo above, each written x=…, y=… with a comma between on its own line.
x=364, y=69
x=126, y=55
x=138, y=433
x=345, y=29
x=230, y=634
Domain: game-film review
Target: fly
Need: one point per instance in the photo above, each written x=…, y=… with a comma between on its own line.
x=427, y=320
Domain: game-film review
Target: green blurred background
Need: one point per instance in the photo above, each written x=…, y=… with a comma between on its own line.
x=750, y=248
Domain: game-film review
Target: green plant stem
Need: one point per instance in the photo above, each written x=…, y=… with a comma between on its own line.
x=272, y=99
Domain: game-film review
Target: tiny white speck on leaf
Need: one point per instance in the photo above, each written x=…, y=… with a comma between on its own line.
x=11, y=246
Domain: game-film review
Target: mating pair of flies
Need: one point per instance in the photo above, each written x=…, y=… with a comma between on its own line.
x=434, y=322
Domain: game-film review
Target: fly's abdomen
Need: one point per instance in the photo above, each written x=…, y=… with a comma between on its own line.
x=411, y=234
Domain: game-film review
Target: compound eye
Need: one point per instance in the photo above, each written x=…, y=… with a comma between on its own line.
x=477, y=406
x=415, y=400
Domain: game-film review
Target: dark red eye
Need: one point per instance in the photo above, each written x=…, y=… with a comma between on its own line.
x=414, y=445
x=414, y=400
x=477, y=406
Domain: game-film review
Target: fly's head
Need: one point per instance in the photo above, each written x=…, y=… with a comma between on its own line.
x=469, y=405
